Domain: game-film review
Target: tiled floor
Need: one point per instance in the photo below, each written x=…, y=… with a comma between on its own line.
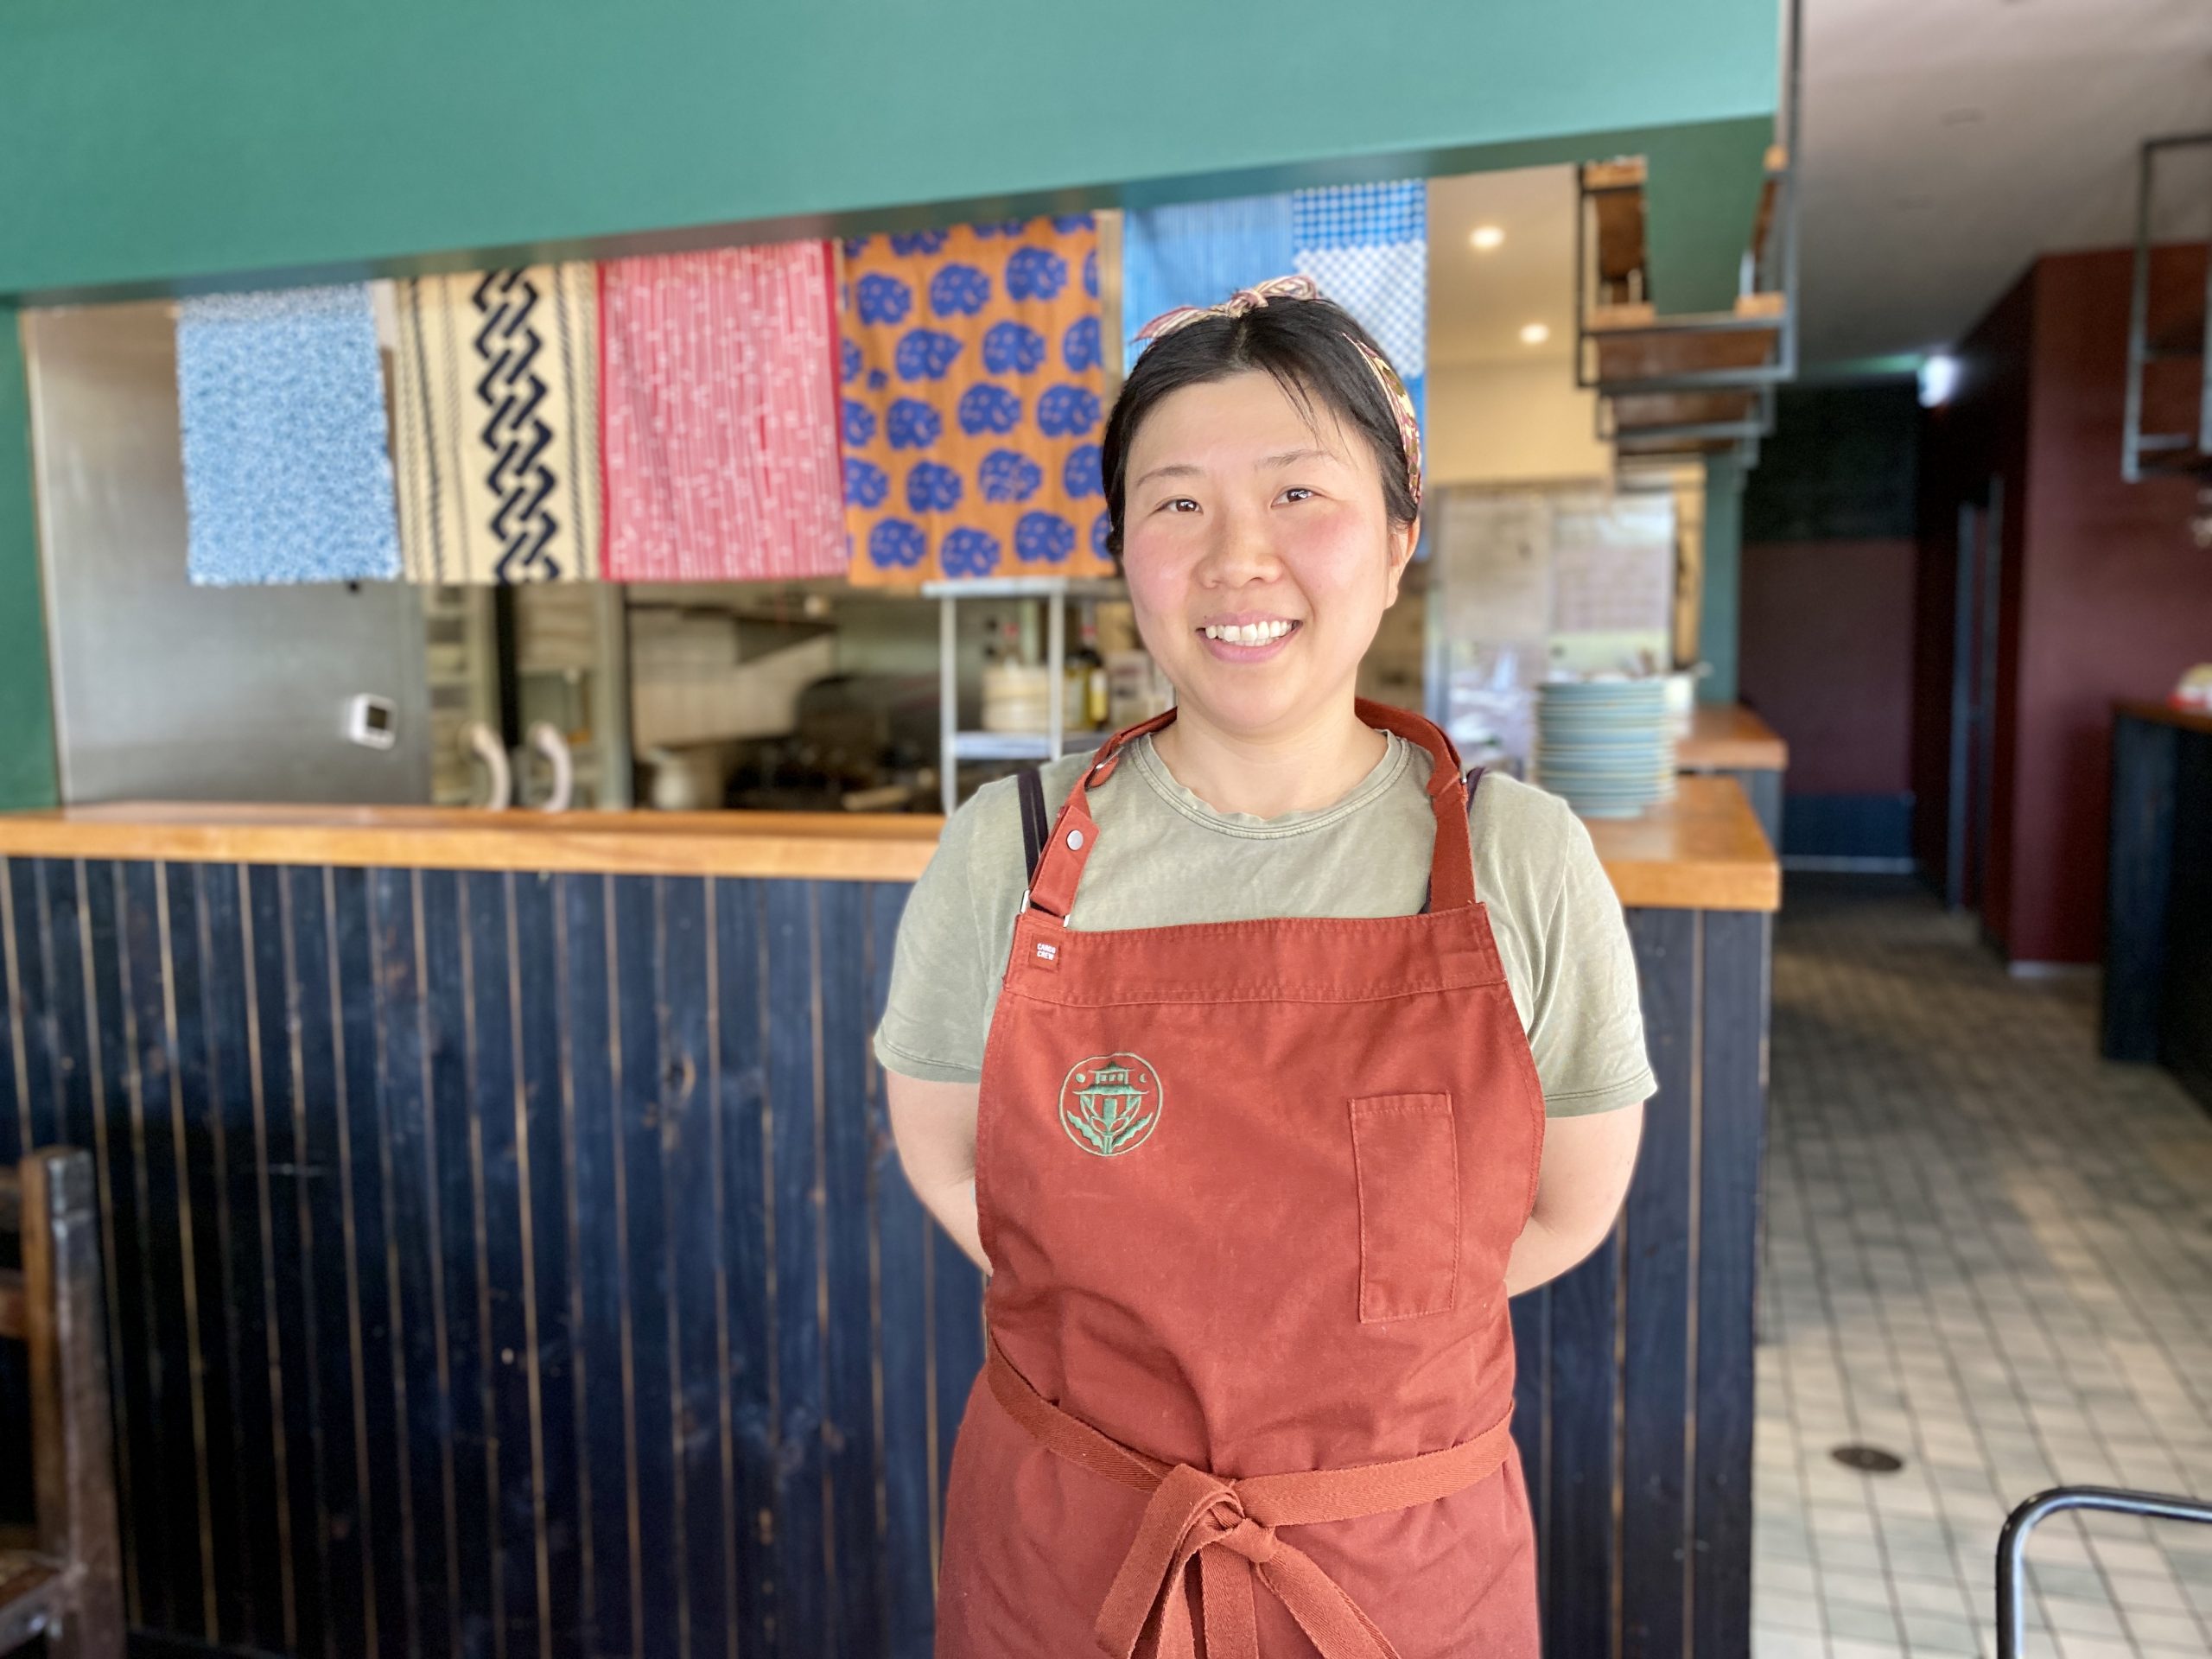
x=1991, y=1254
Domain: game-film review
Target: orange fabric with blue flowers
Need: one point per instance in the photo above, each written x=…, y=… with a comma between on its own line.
x=973, y=402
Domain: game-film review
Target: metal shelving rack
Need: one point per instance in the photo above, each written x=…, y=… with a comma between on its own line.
x=2144, y=453
x=955, y=745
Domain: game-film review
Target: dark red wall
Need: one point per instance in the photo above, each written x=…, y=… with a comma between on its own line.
x=1827, y=659
x=2105, y=596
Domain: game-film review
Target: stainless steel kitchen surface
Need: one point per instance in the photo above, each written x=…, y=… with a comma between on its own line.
x=165, y=690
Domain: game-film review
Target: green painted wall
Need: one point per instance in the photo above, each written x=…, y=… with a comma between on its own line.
x=147, y=146
x=145, y=142
x=26, y=709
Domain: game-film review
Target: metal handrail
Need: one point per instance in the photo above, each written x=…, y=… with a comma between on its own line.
x=2013, y=1543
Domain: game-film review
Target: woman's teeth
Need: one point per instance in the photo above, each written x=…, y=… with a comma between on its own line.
x=1250, y=633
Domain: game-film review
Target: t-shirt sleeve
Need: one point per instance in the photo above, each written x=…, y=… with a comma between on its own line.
x=937, y=1013
x=1586, y=1028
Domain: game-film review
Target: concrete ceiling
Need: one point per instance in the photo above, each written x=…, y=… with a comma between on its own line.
x=1479, y=301
x=1948, y=142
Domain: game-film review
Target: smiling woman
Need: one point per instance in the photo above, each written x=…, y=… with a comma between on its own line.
x=1285, y=1044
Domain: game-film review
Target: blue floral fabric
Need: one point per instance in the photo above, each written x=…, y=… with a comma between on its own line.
x=973, y=374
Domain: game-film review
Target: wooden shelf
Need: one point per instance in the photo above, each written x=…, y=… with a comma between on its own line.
x=1633, y=343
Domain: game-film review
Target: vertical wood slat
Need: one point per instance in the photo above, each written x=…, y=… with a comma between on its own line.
x=909, y=1609
x=210, y=1035
x=167, y=1480
x=1656, y=1288
x=2138, y=876
x=255, y=1604
x=640, y=1172
x=407, y=1155
x=449, y=989
x=16, y=1140
x=15, y=1103
x=801, y=1558
x=850, y=1453
x=1731, y=1151
x=1581, y=1619
x=195, y=1145
x=279, y=1173
x=31, y=1034
x=601, y=1434
x=683, y=992
x=542, y=1138
x=740, y=1094
x=2185, y=1007
x=454, y=1060
x=332, y=1322
x=504, y=1280
x=374, y=1422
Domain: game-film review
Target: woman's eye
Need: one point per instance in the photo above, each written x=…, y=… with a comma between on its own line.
x=1178, y=504
x=1296, y=493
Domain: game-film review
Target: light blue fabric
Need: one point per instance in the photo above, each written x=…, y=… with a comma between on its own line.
x=1367, y=244
x=1198, y=253
x=287, y=477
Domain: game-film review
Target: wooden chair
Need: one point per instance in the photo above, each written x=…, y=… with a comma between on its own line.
x=68, y=1588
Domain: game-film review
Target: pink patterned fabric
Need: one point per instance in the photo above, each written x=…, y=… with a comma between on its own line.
x=718, y=384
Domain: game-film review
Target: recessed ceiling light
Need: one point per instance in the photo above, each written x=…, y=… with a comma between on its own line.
x=1534, y=334
x=1486, y=236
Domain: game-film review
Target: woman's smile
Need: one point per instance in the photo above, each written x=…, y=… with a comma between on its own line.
x=1248, y=638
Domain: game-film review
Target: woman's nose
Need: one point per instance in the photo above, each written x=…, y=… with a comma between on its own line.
x=1242, y=549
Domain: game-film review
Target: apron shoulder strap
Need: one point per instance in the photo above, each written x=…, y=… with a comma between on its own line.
x=1472, y=780
x=1035, y=824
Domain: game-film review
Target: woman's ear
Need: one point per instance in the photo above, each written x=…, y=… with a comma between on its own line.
x=1404, y=538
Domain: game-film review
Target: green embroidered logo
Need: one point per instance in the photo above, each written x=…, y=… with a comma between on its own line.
x=1110, y=1103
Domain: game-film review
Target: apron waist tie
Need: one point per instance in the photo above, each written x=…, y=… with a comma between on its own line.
x=1225, y=1531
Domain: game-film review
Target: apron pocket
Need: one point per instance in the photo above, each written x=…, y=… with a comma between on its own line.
x=1406, y=1159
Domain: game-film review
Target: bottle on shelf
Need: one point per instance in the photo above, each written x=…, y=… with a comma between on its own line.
x=1086, y=676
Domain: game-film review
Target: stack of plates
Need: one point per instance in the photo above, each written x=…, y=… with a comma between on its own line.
x=1607, y=746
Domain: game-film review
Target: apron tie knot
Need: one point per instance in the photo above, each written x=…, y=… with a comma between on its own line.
x=1222, y=1534
x=1254, y=1542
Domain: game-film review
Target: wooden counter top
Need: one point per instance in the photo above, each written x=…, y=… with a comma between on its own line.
x=1703, y=851
x=829, y=846
x=2164, y=714
x=1728, y=737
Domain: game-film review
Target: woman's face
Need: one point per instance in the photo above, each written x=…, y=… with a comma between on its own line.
x=1241, y=514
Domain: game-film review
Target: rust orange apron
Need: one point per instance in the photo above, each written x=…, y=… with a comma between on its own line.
x=1247, y=1190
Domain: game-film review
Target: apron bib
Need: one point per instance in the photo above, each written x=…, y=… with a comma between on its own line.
x=1247, y=1190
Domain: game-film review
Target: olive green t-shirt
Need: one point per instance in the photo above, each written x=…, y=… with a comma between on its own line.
x=1165, y=858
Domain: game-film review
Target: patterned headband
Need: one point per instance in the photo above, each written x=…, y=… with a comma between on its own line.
x=1305, y=288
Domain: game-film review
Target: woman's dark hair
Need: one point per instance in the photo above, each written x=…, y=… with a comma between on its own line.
x=1307, y=344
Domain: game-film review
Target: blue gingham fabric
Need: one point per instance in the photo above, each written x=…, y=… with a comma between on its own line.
x=1367, y=244
x=286, y=474
x=1198, y=253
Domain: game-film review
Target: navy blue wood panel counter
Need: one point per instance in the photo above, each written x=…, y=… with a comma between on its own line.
x=2158, y=998
x=518, y=1264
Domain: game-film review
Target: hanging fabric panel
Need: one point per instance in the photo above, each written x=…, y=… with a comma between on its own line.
x=973, y=402
x=495, y=425
x=721, y=407
x=280, y=399
x=1198, y=253
x=1367, y=244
